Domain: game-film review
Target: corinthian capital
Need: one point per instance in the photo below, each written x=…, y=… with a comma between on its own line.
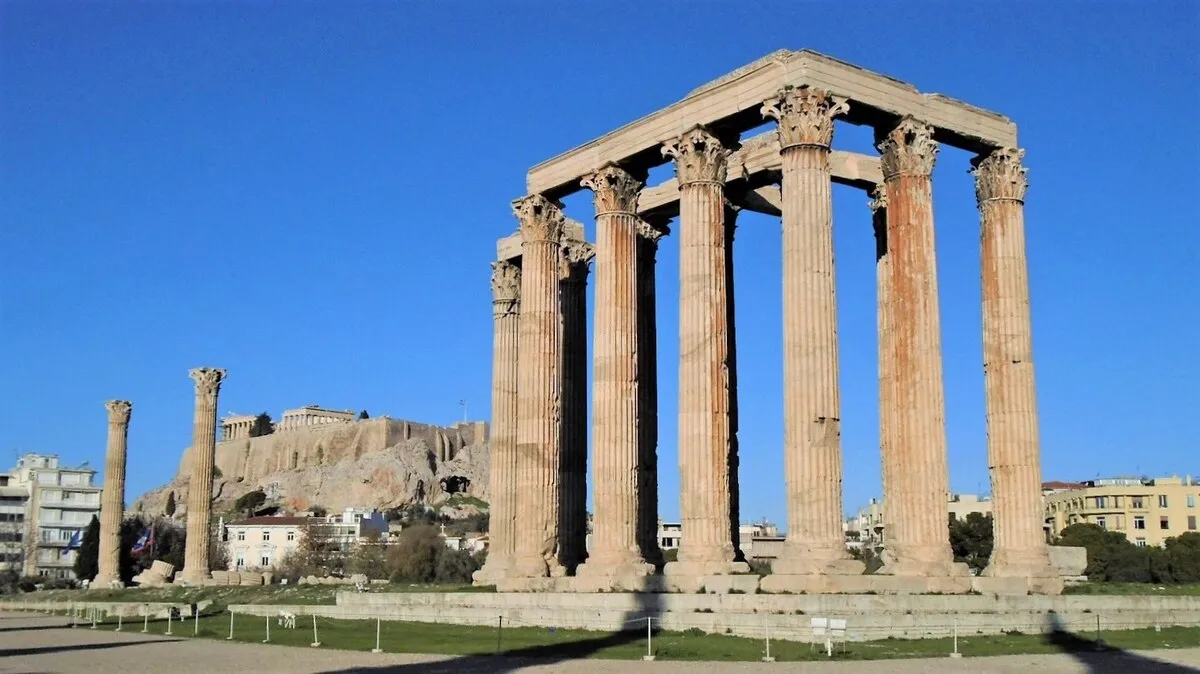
x=1000, y=175
x=576, y=257
x=614, y=190
x=506, y=282
x=699, y=157
x=540, y=219
x=805, y=116
x=650, y=232
x=208, y=380
x=908, y=149
x=119, y=411
x=878, y=198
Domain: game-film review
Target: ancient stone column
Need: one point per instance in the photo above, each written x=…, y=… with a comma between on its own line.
x=812, y=402
x=884, y=304
x=506, y=304
x=577, y=256
x=647, y=349
x=539, y=401
x=200, y=485
x=112, y=500
x=1012, y=421
x=704, y=383
x=731, y=214
x=918, y=480
x=615, y=415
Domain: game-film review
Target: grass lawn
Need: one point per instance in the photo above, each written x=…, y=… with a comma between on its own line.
x=1148, y=589
x=407, y=637
x=223, y=595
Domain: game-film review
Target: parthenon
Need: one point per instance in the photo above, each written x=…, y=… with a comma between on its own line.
x=539, y=472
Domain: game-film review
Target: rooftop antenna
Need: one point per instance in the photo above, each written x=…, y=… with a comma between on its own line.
x=463, y=404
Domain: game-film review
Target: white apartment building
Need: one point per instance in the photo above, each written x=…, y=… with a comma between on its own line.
x=54, y=505
x=262, y=542
x=867, y=525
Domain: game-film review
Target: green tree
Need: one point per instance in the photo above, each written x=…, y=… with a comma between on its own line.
x=170, y=509
x=1111, y=557
x=250, y=501
x=1183, y=557
x=971, y=539
x=414, y=558
x=363, y=415
x=262, y=426
x=454, y=566
x=369, y=557
x=87, y=557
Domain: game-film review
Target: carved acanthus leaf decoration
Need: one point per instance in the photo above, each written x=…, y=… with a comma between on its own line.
x=540, y=219
x=208, y=380
x=614, y=190
x=575, y=259
x=908, y=149
x=649, y=232
x=805, y=116
x=119, y=411
x=506, y=282
x=1000, y=175
x=699, y=157
x=878, y=198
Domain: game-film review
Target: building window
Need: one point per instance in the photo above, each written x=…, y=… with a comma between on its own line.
x=241, y=536
x=1139, y=522
x=1137, y=502
x=240, y=563
x=266, y=560
x=1191, y=501
x=1163, y=523
x=291, y=535
x=1116, y=501
x=1102, y=522
x=1191, y=522
x=1140, y=542
x=1162, y=500
x=266, y=535
x=1101, y=501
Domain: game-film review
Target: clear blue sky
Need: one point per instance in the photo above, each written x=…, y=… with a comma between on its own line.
x=308, y=194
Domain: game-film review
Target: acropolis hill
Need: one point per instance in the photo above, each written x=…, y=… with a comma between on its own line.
x=381, y=463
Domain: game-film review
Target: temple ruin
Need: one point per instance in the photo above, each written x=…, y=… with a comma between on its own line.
x=538, y=480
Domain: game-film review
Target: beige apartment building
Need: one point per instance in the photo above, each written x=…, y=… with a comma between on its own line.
x=1147, y=511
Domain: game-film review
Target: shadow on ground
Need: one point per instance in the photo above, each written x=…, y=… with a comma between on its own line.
x=43, y=650
x=1102, y=659
x=512, y=660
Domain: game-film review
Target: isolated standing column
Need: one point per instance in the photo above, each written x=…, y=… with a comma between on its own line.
x=112, y=502
x=200, y=485
x=573, y=273
x=812, y=403
x=648, y=237
x=1012, y=420
x=539, y=396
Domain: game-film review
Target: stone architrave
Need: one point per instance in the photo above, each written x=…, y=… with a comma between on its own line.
x=1012, y=420
x=917, y=473
x=200, y=485
x=704, y=383
x=506, y=306
x=647, y=348
x=539, y=398
x=615, y=414
x=812, y=401
x=112, y=501
x=573, y=273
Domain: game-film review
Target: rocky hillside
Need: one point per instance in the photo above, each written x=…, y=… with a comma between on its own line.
x=376, y=463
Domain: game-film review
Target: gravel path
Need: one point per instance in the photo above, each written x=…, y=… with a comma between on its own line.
x=45, y=644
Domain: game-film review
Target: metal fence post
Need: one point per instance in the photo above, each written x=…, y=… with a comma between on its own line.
x=767, y=634
x=649, y=641
x=377, y=649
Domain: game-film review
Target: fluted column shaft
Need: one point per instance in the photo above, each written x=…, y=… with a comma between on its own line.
x=1012, y=421
x=615, y=374
x=647, y=349
x=704, y=382
x=200, y=485
x=812, y=405
x=506, y=306
x=918, y=481
x=884, y=306
x=112, y=501
x=539, y=449
x=577, y=255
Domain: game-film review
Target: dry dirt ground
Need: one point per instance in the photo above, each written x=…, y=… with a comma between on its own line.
x=41, y=644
